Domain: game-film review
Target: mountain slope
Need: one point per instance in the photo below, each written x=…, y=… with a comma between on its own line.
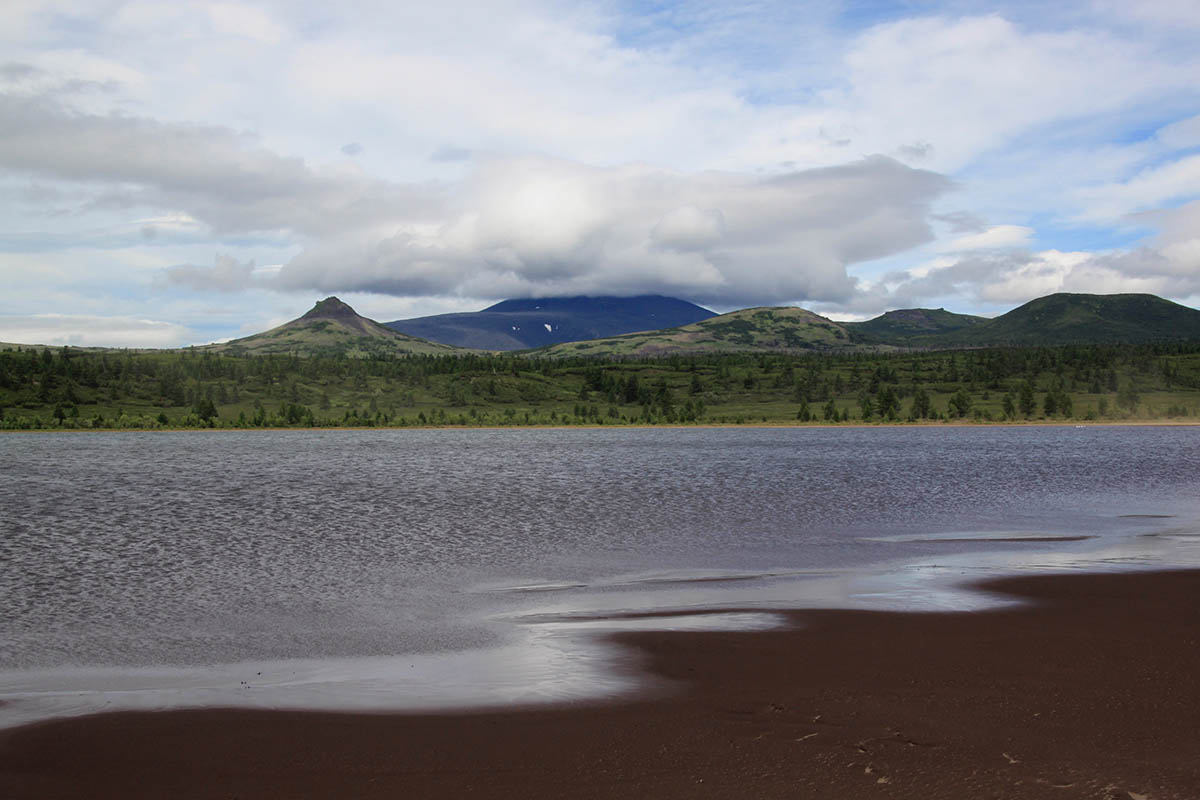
x=537, y=322
x=783, y=329
x=332, y=328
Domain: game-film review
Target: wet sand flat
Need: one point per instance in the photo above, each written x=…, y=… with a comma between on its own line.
x=1089, y=691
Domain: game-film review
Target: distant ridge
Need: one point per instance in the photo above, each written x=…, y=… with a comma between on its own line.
x=332, y=328
x=1062, y=318
x=521, y=324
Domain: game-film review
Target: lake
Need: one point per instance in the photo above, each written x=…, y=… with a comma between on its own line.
x=433, y=568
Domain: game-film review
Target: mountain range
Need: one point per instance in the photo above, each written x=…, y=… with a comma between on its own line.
x=333, y=328
x=1052, y=320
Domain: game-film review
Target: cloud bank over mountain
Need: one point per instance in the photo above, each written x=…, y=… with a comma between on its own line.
x=537, y=226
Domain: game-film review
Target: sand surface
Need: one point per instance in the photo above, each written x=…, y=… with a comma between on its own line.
x=1090, y=691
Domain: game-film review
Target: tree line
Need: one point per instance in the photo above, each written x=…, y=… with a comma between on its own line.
x=74, y=388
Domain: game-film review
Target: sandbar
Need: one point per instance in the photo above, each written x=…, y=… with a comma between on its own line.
x=1090, y=689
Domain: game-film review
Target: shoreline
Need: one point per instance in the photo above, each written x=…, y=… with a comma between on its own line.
x=1133, y=423
x=1086, y=690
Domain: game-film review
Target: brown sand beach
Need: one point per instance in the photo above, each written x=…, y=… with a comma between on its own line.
x=1091, y=690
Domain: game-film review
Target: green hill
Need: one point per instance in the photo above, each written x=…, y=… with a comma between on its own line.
x=779, y=330
x=332, y=328
x=1097, y=318
x=909, y=326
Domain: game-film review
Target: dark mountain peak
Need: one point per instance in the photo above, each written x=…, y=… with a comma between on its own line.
x=636, y=304
x=529, y=322
x=331, y=308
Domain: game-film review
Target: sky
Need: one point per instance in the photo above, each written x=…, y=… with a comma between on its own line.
x=186, y=172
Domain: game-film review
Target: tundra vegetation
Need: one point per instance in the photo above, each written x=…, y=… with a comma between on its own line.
x=70, y=388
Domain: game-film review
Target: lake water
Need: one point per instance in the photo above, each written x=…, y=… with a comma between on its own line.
x=421, y=569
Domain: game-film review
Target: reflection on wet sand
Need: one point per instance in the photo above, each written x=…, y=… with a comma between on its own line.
x=560, y=652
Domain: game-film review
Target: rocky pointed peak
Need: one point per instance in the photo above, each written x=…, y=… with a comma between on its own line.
x=331, y=308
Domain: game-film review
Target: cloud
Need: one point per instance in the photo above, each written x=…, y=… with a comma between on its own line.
x=693, y=148
x=962, y=222
x=513, y=226
x=1177, y=226
x=964, y=86
x=918, y=151
x=1177, y=15
x=227, y=274
x=971, y=270
x=242, y=20
x=91, y=331
x=540, y=226
x=159, y=231
x=221, y=177
x=1150, y=188
x=689, y=229
x=1181, y=134
x=15, y=72
x=994, y=237
x=1013, y=277
x=450, y=154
